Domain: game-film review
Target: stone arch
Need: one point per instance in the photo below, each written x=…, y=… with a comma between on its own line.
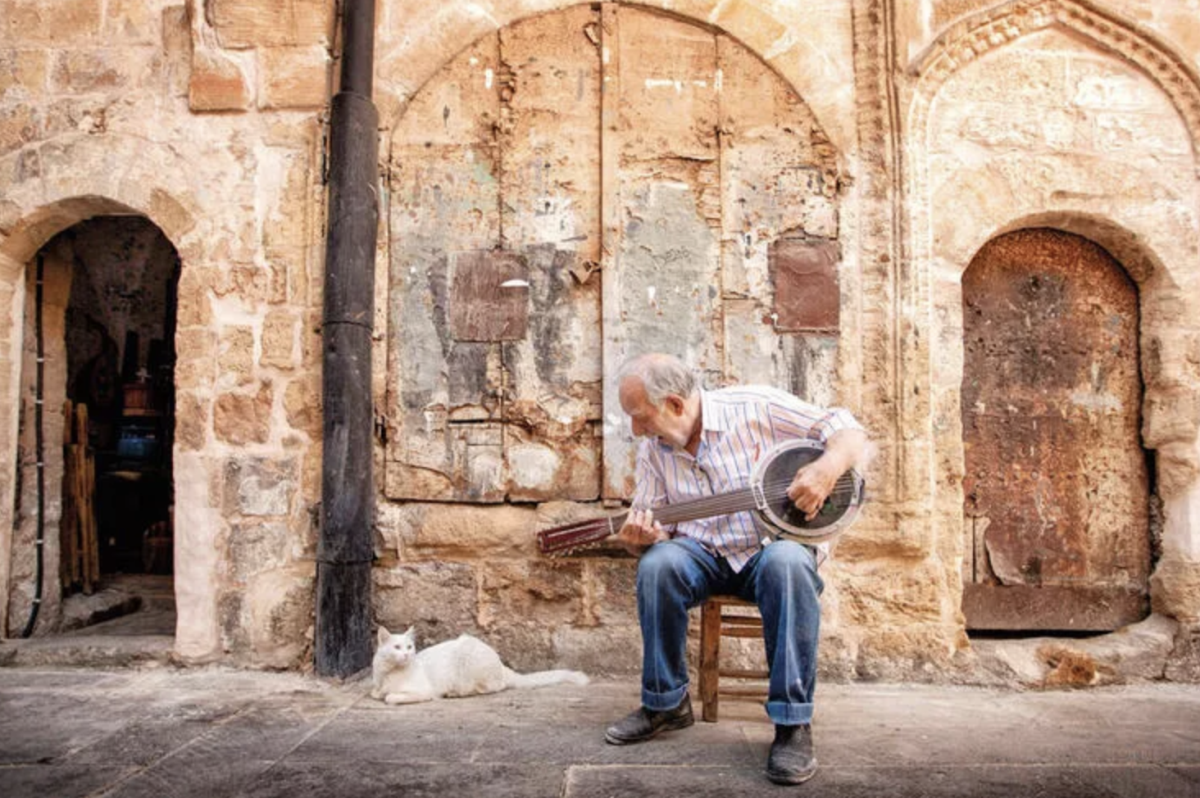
x=468, y=158
x=981, y=33
x=802, y=57
x=60, y=183
x=1169, y=421
x=953, y=210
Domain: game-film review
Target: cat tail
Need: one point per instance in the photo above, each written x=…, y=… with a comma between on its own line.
x=544, y=678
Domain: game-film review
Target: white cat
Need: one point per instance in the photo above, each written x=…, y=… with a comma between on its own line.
x=460, y=667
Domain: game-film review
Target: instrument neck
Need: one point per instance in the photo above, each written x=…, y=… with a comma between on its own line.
x=706, y=507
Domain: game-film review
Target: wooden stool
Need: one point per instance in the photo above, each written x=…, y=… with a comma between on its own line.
x=714, y=624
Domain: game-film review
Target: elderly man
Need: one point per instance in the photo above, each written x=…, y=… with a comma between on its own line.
x=699, y=443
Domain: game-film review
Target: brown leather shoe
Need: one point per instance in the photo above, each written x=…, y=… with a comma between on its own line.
x=642, y=723
x=792, y=760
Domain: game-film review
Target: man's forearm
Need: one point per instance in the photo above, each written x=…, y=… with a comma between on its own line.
x=845, y=449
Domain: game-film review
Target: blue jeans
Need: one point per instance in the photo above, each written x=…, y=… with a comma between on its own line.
x=678, y=574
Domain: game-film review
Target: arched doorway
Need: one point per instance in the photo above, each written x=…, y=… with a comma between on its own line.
x=577, y=187
x=1057, y=486
x=99, y=360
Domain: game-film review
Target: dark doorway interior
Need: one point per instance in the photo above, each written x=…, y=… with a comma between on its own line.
x=120, y=333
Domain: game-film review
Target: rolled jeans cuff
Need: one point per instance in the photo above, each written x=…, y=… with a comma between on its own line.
x=786, y=714
x=661, y=702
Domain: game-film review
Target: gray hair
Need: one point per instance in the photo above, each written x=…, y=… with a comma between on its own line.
x=661, y=375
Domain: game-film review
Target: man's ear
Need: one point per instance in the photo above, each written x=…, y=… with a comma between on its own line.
x=675, y=404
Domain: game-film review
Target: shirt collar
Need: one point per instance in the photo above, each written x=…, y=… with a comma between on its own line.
x=712, y=417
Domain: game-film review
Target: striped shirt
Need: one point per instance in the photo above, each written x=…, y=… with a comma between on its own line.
x=738, y=425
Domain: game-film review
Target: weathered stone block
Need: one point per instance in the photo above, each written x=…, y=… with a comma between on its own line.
x=438, y=598
x=521, y=645
x=891, y=593
x=286, y=230
x=195, y=303
x=260, y=486
x=18, y=127
x=1175, y=589
x=247, y=282
x=191, y=421
x=233, y=617
x=60, y=23
x=916, y=652
x=453, y=531
x=195, y=359
x=1171, y=355
x=1178, y=466
x=395, y=527
x=218, y=83
x=241, y=418
x=279, y=339
x=871, y=536
x=266, y=23
x=293, y=77
x=256, y=546
x=79, y=71
x=281, y=615
x=1171, y=415
x=611, y=594
x=1183, y=665
x=236, y=355
x=548, y=592
x=302, y=404
x=24, y=70
x=597, y=651
x=170, y=215
x=133, y=21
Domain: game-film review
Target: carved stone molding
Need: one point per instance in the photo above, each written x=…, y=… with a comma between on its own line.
x=981, y=33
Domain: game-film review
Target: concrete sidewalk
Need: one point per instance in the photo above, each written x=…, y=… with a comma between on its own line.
x=214, y=732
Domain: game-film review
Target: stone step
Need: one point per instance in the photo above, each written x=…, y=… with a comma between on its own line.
x=78, y=650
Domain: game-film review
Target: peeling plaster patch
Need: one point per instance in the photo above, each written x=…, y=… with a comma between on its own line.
x=1095, y=401
x=533, y=466
x=719, y=79
x=717, y=11
x=784, y=43
x=660, y=83
x=488, y=77
x=479, y=11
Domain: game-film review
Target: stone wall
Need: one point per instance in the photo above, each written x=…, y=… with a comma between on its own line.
x=202, y=117
x=943, y=123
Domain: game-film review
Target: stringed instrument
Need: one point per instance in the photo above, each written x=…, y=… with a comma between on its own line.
x=766, y=494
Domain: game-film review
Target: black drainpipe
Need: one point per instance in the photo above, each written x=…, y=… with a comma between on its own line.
x=39, y=436
x=343, y=625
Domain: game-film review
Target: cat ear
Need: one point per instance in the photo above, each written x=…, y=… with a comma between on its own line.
x=382, y=635
x=411, y=633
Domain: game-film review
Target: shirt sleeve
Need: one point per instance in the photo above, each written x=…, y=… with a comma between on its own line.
x=794, y=418
x=834, y=420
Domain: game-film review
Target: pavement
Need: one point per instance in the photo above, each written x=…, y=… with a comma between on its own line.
x=156, y=730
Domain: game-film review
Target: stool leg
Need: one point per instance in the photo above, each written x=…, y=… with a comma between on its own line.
x=710, y=658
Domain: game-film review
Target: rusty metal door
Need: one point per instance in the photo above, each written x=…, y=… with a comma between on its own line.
x=1057, y=486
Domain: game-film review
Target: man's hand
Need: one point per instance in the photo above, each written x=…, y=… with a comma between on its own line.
x=814, y=482
x=811, y=486
x=640, y=531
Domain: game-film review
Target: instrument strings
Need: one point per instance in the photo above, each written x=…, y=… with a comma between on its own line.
x=723, y=504
x=735, y=501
